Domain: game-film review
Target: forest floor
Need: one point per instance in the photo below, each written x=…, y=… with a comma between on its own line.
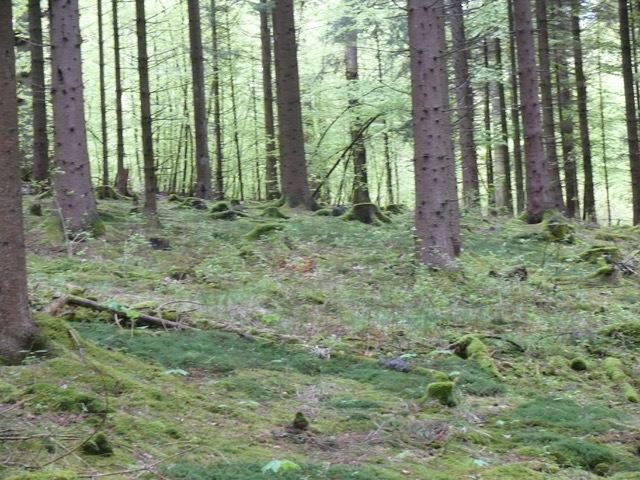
x=330, y=322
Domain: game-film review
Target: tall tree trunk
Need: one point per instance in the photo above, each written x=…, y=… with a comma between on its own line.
x=358, y=151
x=122, y=173
x=234, y=114
x=74, y=191
x=589, y=202
x=388, y=167
x=271, y=170
x=548, y=122
x=203, y=165
x=103, y=99
x=539, y=197
x=18, y=332
x=515, y=116
x=437, y=217
x=39, y=103
x=491, y=199
x=603, y=137
x=566, y=116
x=150, y=180
x=293, y=167
x=464, y=107
x=501, y=170
x=219, y=193
x=630, y=108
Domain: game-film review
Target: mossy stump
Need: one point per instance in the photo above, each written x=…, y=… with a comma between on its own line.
x=273, y=212
x=368, y=213
x=472, y=347
x=193, y=202
x=442, y=392
x=610, y=254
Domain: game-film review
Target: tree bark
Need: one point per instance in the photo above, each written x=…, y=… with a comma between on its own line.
x=548, y=122
x=103, y=99
x=18, y=332
x=122, y=173
x=150, y=180
x=74, y=191
x=630, y=108
x=203, y=165
x=271, y=170
x=539, y=198
x=464, y=107
x=437, y=216
x=40, y=134
x=219, y=192
x=293, y=167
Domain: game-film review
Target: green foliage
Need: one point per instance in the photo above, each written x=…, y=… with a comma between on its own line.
x=64, y=399
x=97, y=445
x=263, y=230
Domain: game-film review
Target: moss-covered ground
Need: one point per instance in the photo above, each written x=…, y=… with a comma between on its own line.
x=328, y=321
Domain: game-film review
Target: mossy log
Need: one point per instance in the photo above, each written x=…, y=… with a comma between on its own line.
x=368, y=213
x=609, y=253
x=262, y=230
x=221, y=206
x=193, y=202
x=613, y=368
x=139, y=318
x=226, y=215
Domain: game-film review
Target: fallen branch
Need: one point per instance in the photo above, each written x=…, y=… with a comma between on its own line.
x=140, y=318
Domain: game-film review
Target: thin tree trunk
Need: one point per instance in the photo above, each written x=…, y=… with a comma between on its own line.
x=103, y=101
x=388, y=167
x=203, y=165
x=630, y=108
x=18, y=332
x=603, y=137
x=491, y=199
x=150, y=180
x=464, y=106
x=219, y=192
x=360, y=192
x=589, y=202
x=39, y=103
x=122, y=173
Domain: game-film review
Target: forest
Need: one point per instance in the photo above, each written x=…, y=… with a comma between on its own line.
x=310, y=240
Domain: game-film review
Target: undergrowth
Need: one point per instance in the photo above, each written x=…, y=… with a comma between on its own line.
x=331, y=320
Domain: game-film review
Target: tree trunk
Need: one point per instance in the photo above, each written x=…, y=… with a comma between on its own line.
x=150, y=180
x=219, y=193
x=103, y=100
x=358, y=151
x=203, y=165
x=589, y=202
x=539, y=198
x=18, y=332
x=630, y=108
x=437, y=216
x=548, y=122
x=40, y=134
x=293, y=167
x=515, y=117
x=464, y=106
x=491, y=199
x=122, y=174
x=73, y=186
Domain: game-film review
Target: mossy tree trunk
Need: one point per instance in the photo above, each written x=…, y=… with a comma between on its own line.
x=17, y=329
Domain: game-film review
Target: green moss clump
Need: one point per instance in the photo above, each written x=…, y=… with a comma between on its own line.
x=35, y=208
x=262, y=230
x=97, y=445
x=225, y=215
x=174, y=198
x=273, y=212
x=512, y=472
x=613, y=368
x=45, y=474
x=578, y=364
x=65, y=399
x=324, y=212
x=473, y=348
x=193, y=202
x=630, y=393
x=98, y=228
x=557, y=227
x=627, y=332
x=441, y=391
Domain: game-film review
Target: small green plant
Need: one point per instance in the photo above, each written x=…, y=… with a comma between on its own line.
x=276, y=466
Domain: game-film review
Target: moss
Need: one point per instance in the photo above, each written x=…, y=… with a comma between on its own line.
x=173, y=198
x=324, y=212
x=225, y=215
x=273, y=212
x=219, y=207
x=368, y=213
x=193, y=202
x=35, y=208
x=609, y=253
x=98, y=228
x=65, y=399
x=630, y=393
x=442, y=392
x=628, y=333
x=613, y=368
x=578, y=364
x=512, y=471
x=557, y=227
x=97, y=445
x=473, y=348
x=262, y=230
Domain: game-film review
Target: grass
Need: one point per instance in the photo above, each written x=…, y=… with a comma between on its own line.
x=334, y=320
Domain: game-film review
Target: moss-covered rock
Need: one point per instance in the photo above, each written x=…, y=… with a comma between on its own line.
x=368, y=213
x=219, y=207
x=578, y=364
x=97, y=445
x=614, y=370
x=193, y=202
x=273, y=212
x=608, y=253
